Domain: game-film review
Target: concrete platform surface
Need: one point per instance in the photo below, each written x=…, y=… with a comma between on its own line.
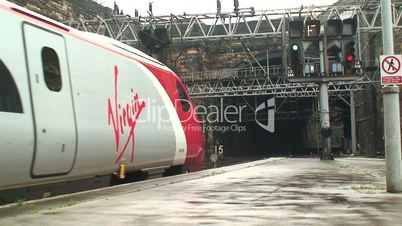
x=299, y=191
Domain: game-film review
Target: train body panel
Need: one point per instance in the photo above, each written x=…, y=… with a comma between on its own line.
x=17, y=134
x=185, y=110
x=88, y=104
x=52, y=106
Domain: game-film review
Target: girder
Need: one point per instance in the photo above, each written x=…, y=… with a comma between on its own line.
x=244, y=24
x=252, y=83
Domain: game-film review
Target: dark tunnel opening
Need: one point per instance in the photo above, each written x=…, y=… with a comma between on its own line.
x=286, y=140
x=297, y=123
x=296, y=134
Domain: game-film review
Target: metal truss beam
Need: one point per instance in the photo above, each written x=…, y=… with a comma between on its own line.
x=244, y=24
x=252, y=83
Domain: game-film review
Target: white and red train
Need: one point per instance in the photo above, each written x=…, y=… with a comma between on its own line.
x=75, y=105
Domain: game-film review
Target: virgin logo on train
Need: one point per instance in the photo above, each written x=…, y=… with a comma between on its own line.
x=124, y=117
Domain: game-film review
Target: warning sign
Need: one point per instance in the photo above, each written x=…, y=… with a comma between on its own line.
x=391, y=72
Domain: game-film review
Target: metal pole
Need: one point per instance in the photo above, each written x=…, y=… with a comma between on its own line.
x=359, y=46
x=392, y=133
x=284, y=50
x=392, y=138
x=325, y=123
x=325, y=53
x=322, y=64
x=353, y=121
x=324, y=106
x=387, y=35
x=267, y=63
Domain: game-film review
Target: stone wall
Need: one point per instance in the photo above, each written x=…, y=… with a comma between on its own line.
x=369, y=103
x=63, y=10
x=221, y=54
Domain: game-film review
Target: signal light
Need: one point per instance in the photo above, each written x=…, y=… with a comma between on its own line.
x=147, y=39
x=161, y=34
x=349, y=26
x=154, y=40
x=295, y=29
x=350, y=58
x=296, y=57
x=333, y=28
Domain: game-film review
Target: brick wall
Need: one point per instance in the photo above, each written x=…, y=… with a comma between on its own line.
x=369, y=103
x=64, y=10
x=219, y=55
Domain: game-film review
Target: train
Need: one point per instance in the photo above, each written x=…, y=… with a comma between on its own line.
x=76, y=105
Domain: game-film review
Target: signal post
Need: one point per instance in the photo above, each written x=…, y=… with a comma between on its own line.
x=345, y=66
x=392, y=133
x=324, y=104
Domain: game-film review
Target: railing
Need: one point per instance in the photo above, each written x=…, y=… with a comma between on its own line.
x=269, y=81
x=256, y=72
x=233, y=74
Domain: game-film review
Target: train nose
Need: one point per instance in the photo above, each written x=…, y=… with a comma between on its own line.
x=195, y=149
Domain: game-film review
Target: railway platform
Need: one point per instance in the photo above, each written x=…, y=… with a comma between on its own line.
x=274, y=191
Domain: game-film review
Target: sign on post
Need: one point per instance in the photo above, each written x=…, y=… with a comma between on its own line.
x=391, y=72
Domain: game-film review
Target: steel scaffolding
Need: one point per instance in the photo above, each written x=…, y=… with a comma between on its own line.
x=246, y=23
x=253, y=82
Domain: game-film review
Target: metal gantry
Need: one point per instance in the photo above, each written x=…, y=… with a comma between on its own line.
x=253, y=82
x=244, y=24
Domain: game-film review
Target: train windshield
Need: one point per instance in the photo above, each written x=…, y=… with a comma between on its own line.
x=184, y=100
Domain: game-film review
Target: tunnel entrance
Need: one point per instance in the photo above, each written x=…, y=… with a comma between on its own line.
x=296, y=131
x=297, y=118
x=286, y=140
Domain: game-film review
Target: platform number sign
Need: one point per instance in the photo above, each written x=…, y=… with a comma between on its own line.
x=391, y=72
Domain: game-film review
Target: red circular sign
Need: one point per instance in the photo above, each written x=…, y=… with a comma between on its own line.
x=391, y=65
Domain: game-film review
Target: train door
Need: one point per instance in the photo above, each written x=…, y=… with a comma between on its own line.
x=53, y=113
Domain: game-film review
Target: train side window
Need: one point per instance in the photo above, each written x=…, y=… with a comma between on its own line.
x=51, y=69
x=9, y=97
x=184, y=101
